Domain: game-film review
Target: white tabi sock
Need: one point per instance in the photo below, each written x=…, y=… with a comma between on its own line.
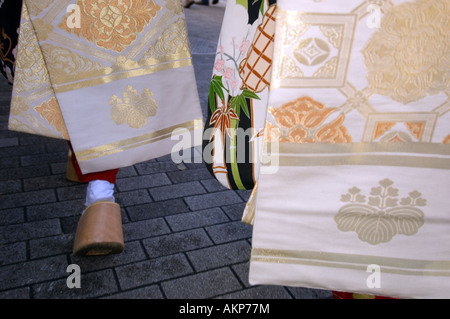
x=99, y=190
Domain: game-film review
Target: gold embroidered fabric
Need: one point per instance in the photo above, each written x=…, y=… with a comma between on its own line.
x=103, y=73
x=356, y=165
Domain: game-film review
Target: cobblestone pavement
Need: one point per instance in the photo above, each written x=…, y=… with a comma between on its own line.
x=182, y=229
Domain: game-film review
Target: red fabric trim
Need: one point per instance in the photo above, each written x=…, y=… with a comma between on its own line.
x=109, y=175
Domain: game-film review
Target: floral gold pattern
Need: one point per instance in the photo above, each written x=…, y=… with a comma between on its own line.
x=50, y=111
x=18, y=105
x=416, y=128
x=42, y=29
x=381, y=217
x=68, y=66
x=384, y=131
x=304, y=121
x=381, y=128
x=408, y=57
x=311, y=51
x=133, y=109
x=36, y=7
x=113, y=24
x=174, y=40
x=31, y=73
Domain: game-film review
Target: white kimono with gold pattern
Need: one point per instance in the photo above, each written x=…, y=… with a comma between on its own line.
x=115, y=77
x=353, y=192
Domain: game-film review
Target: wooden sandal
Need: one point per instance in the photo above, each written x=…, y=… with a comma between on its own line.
x=99, y=231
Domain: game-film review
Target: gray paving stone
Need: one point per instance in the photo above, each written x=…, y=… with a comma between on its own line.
x=19, y=293
x=136, y=197
x=202, y=285
x=28, y=160
x=177, y=191
x=234, y=212
x=27, y=198
x=58, y=168
x=133, y=252
x=10, y=161
x=57, y=209
x=4, y=133
x=26, y=231
x=244, y=194
x=26, y=273
x=54, y=145
x=150, y=292
x=155, y=167
x=92, y=285
x=13, y=253
x=71, y=192
x=22, y=150
x=8, y=187
x=157, y=209
x=12, y=216
x=44, y=182
x=69, y=224
x=51, y=246
x=144, y=229
x=209, y=200
x=153, y=271
x=310, y=293
x=11, y=141
x=189, y=175
x=139, y=182
x=229, y=232
x=219, y=255
x=196, y=219
x=24, y=172
x=242, y=271
x=213, y=185
x=176, y=242
x=128, y=171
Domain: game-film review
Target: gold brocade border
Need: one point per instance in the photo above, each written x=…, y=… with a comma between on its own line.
x=420, y=155
x=123, y=75
x=413, y=267
x=354, y=148
x=134, y=142
x=362, y=159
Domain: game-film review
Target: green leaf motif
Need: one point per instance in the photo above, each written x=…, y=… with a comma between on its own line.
x=242, y=3
x=250, y=95
x=239, y=102
x=216, y=87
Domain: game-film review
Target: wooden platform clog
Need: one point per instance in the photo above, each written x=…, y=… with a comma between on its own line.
x=99, y=231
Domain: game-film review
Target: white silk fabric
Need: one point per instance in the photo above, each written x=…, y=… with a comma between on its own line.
x=359, y=103
x=113, y=77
